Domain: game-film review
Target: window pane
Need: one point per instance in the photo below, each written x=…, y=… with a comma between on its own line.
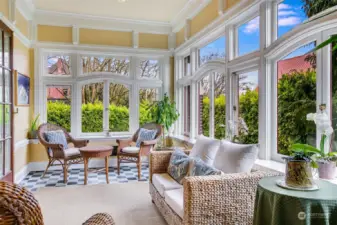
x=8, y=145
x=204, y=87
x=187, y=110
x=296, y=98
x=92, y=107
x=187, y=66
x=8, y=115
x=220, y=105
x=147, y=100
x=59, y=65
x=148, y=69
x=247, y=122
x=8, y=86
x=290, y=14
x=103, y=64
x=334, y=97
x=6, y=50
x=1, y=158
x=212, y=51
x=249, y=37
x=59, y=106
x=119, y=108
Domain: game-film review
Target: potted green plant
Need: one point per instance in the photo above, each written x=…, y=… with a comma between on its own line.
x=32, y=131
x=166, y=114
x=299, y=166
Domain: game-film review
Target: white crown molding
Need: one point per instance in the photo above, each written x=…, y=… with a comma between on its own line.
x=16, y=31
x=44, y=17
x=26, y=8
x=192, y=8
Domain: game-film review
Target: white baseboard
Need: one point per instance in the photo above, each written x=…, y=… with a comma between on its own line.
x=41, y=166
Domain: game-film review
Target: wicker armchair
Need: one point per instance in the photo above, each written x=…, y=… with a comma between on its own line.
x=145, y=147
x=18, y=206
x=56, y=152
x=222, y=199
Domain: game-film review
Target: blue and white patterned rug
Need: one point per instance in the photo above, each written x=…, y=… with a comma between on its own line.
x=54, y=178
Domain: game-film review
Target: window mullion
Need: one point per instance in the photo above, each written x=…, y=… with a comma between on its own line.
x=212, y=108
x=106, y=106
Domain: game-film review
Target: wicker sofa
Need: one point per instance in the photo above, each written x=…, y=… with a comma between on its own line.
x=210, y=200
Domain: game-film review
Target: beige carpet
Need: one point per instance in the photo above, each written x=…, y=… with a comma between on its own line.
x=129, y=204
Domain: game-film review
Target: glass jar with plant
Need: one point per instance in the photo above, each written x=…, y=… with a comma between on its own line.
x=34, y=124
x=166, y=115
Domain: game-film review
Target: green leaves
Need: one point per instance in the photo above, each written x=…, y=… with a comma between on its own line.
x=167, y=113
x=34, y=123
x=308, y=150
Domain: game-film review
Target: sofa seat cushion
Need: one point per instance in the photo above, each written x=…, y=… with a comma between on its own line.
x=131, y=149
x=164, y=182
x=205, y=148
x=236, y=158
x=175, y=199
x=70, y=152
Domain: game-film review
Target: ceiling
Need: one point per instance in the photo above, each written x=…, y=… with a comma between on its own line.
x=149, y=10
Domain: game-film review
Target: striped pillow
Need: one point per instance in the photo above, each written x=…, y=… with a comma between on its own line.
x=145, y=135
x=56, y=137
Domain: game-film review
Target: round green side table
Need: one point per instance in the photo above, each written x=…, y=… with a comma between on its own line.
x=278, y=206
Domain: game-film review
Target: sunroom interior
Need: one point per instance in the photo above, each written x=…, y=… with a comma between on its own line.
x=246, y=72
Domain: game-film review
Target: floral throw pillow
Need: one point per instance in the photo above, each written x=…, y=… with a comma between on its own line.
x=178, y=167
x=198, y=168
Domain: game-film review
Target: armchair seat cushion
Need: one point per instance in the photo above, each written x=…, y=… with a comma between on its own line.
x=131, y=149
x=164, y=182
x=175, y=199
x=70, y=152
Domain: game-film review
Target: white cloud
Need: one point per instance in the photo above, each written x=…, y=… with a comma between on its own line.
x=287, y=13
x=252, y=26
x=283, y=6
x=289, y=21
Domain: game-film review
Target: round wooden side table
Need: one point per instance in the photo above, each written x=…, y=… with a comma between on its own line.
x=96, y=152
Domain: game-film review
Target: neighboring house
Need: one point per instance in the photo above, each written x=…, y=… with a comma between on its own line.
x=288, y=65
x=55, y=93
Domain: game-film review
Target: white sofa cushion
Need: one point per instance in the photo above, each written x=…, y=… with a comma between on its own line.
x=175, y=199
x=164, y=182
x=235, y=158
x=205, y=148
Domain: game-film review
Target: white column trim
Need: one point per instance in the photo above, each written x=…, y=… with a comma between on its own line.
x=172, y=41
x=187, y=33
x=76, y=35
x=12, y=11
x=135, y=39
x=221, y=7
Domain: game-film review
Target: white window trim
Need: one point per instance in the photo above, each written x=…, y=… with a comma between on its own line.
x=77, y=79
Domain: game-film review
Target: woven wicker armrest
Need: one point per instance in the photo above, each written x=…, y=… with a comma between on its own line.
x=79, y=143
x=223, y=199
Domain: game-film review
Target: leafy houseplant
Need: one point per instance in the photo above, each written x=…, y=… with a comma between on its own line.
x=166, y=114
x=32, y=132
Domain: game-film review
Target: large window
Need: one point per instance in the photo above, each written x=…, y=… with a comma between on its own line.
x=219, y=105
x=148, y=69
x=290, y=14
x=334, y=98
x=92, y=107
x=296, y=97
x=187, y=110
x=204, y=87
x=247, y=113
x=120, y=66
x=58, y=65
x=147, y=105
x=212, y=51
x=119, y=97
x=249, y=37
x=59, y=106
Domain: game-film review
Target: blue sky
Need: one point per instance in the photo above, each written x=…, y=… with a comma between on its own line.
x=290, y=14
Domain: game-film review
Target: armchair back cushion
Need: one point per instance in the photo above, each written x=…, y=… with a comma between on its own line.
x=178, y=166
x=235, y=158
x=145, y=135
x=56, y=137
x=205, y=148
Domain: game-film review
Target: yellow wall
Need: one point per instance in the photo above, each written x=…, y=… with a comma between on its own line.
x=231, y=3
x=22, y=63
x=105, y=37
x=205, y=17
x=4, y=7
x=21, y=23
x=54, y=34
x=153, y=40
x=180, y=37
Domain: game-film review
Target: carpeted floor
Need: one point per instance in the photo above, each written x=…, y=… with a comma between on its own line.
x=127, y=203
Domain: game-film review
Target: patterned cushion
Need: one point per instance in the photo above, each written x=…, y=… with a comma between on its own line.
x=145, y=135
x=56, y=137
x=178, y=167
x=198, y=168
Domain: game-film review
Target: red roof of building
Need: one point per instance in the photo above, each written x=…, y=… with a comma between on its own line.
x=288, y=65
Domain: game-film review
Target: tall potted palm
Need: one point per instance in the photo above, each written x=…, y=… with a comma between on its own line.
x=166, y=114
